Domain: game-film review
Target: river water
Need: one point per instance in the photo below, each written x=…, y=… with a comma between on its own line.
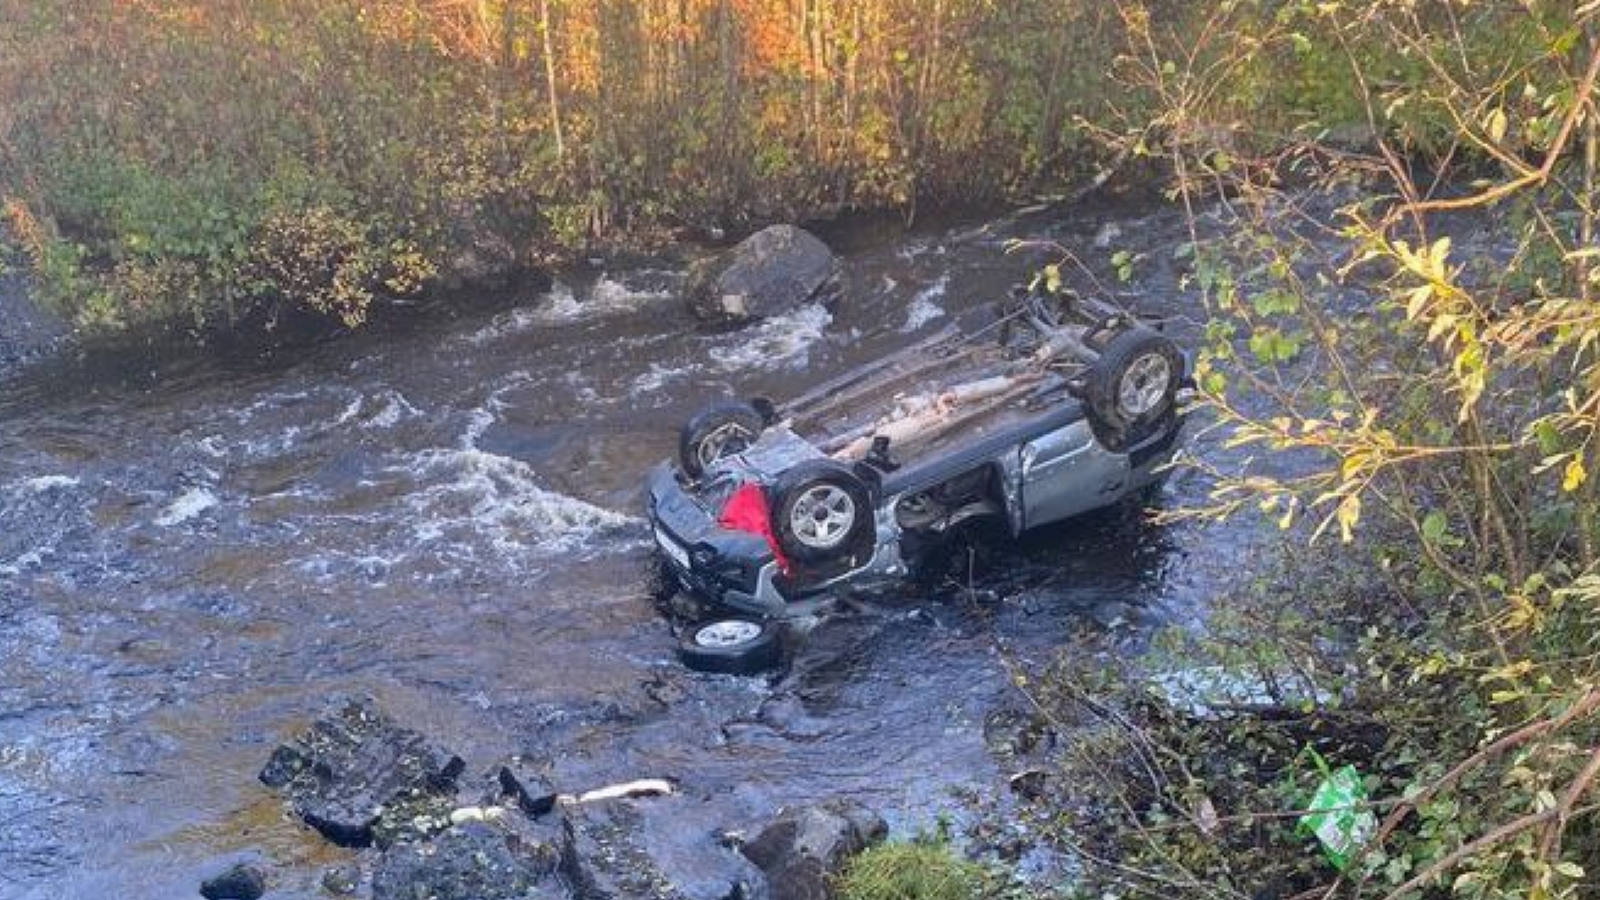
x=196, y=555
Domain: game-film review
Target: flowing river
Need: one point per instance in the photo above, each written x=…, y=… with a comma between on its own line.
x=196, y=555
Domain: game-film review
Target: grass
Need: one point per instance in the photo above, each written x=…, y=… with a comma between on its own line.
x=912, y=870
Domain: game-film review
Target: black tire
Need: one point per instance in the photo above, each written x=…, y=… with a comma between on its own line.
x=821, y=511
x=1126, y=412
x=719, y=430
x=731, y=646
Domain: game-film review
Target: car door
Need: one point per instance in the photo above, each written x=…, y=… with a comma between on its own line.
x=1066, y=472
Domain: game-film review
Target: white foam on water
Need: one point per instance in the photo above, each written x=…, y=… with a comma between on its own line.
x=514, y=322
x=482, y=495
x=498, y=498
x=563, y=305
x=481, y=418
x=350, y=411
x=607, y=297
x=188, y=505
x=29, y=560
x=611, y=295
x=395, y=408
x=658, y=377
x=779, y=342
x=42, y=483
x=924, y=307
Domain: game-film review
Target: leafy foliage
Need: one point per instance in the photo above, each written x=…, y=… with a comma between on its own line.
x=1428, y=395
x=158, y=142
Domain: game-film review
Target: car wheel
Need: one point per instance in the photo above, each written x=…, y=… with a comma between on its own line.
x=731, y=646
x=718, y=431
x=1133, y=386
x=822, y=511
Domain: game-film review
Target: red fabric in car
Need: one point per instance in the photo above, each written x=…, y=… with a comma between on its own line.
x=747, y=511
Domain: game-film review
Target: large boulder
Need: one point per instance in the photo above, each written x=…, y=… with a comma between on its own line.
x=803, y=849
x=653, y=850
x=771, y=272
x=476, y=860
x=353, y=766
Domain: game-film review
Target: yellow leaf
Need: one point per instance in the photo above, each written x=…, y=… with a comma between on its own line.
x=1437, y=255
x=1353, y=463
x=1495, y=124
x=1575, y=475
x=1349, y=514
x=1419, y=301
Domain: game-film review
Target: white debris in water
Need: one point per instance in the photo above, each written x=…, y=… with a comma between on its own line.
x=42, y=483
x=644, y=787
x=778, y=342
x=1198, y=691
x=189, y=504
x=924, y=307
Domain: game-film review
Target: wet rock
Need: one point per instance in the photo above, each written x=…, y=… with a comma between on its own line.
x=1012, y=733
x=771, y=272
x=1033, y=784
x=413, y=817
x=622, y=851
x=354, y=765
x=803, y=849
x=532, y=791
x=471, y=861
x=242, y=881
x=341, y=881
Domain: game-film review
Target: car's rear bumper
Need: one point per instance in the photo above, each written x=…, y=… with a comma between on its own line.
x=732, y=568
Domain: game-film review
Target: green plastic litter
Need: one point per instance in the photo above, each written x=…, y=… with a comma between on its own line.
x=1338, y=814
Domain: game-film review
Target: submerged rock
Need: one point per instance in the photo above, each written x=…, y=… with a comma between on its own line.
x=773, y=271
x=803, y=849
x=475, y=860
x=243, y=881
x=351, y=767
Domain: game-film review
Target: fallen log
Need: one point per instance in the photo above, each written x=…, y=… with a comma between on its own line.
x=927, y=416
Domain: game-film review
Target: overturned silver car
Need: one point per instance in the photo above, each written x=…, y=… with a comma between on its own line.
x=1056, y=406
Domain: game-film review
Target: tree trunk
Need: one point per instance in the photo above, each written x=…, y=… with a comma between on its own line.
x=552, y=90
